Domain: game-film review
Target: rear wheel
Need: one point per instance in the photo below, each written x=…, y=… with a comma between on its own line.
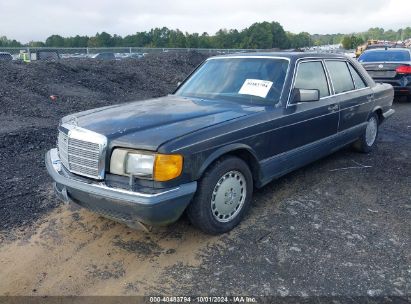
x=223, y=196
x=366, y=142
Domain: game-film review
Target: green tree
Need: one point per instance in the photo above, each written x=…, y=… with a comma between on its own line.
x=406, y=33
x=258, y=36
x=5, y=42
x=37, y=44
x=192, y=40
x=300, y=40
x=220, y=40
x=280, y=39
x=55, y=41
x=346, y=42
x=351, y=41
x=139, y=39
x=205, y=41
x=159, y=37
x=262, y=35
x=176, y=39
x=265, y=35
x=104, y=40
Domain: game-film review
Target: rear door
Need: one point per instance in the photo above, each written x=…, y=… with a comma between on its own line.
x=352, y=92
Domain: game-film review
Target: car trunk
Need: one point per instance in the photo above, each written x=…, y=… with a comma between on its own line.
x=383, y=69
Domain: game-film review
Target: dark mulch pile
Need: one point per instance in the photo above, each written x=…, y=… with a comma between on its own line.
x=29, y=117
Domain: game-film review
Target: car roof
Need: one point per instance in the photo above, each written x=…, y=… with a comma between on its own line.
x=290, y=55
x=388, y=49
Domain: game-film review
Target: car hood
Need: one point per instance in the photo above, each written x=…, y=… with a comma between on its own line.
x=149, y=123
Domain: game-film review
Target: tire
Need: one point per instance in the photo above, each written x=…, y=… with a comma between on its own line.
x=223, y=196
x=367, y=142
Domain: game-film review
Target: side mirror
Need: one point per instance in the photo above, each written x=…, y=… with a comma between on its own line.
x=305, y=95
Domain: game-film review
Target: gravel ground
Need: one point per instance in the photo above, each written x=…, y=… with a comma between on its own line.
x=338, y=227
x=29, y=117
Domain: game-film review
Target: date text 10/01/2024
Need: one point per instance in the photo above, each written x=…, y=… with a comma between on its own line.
x=233, y=299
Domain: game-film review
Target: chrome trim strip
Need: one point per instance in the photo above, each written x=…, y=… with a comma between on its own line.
x=351, y=91
x=267, y=131
x=307, y=59
x=253, y=56
x=357, y=105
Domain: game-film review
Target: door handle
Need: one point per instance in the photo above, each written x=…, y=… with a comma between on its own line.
x=370, y=97
x=333, y=108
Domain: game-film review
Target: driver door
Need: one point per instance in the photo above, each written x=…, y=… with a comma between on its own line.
x=309, y=127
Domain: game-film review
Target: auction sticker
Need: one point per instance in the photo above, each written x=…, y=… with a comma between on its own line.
x=256, y=87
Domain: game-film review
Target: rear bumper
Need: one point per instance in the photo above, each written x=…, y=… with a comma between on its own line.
x=402, y=91
x=401, y=86
x=118, y=204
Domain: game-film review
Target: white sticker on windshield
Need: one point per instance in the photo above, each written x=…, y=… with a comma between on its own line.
x=256, y=87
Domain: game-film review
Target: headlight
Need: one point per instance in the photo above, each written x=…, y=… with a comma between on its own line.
x=160, y=167
x=139, y=164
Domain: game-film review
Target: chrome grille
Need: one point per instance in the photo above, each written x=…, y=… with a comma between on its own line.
x=62, y=146
x=82, y=151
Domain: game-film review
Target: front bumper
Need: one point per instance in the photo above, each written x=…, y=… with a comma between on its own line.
x=129, y=207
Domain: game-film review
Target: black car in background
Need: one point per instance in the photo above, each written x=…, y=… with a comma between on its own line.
x=4, y=56
x=390, y=65
x=104, y=56
x=48, y=55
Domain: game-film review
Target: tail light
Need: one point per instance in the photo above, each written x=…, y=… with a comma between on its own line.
x=403, y=69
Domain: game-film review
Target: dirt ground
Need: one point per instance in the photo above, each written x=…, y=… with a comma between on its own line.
x=338, y=227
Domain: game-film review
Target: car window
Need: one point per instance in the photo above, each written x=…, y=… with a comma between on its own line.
x=340, y=76
x=385, y=55
x=358, y=81
x=311, y=75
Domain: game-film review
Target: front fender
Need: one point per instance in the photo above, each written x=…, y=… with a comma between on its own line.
x=236, y=148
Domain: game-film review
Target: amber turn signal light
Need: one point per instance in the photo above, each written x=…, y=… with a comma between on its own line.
x=167, y=167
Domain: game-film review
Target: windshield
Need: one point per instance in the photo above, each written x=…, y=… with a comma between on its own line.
x=385, y=55
x=238, y=79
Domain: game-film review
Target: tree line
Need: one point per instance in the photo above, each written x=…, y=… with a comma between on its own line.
x=260, y=35
x=354, y=40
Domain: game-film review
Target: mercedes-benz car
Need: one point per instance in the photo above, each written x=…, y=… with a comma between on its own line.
x=390, y=65
x=235, y=124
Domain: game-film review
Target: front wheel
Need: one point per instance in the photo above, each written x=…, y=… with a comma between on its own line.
x=366, y=142
x=223, y=196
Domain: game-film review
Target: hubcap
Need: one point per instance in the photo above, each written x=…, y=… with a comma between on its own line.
x=228, y=196
x=371, y=131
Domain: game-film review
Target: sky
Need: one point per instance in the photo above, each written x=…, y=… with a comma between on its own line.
x=37, y=19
